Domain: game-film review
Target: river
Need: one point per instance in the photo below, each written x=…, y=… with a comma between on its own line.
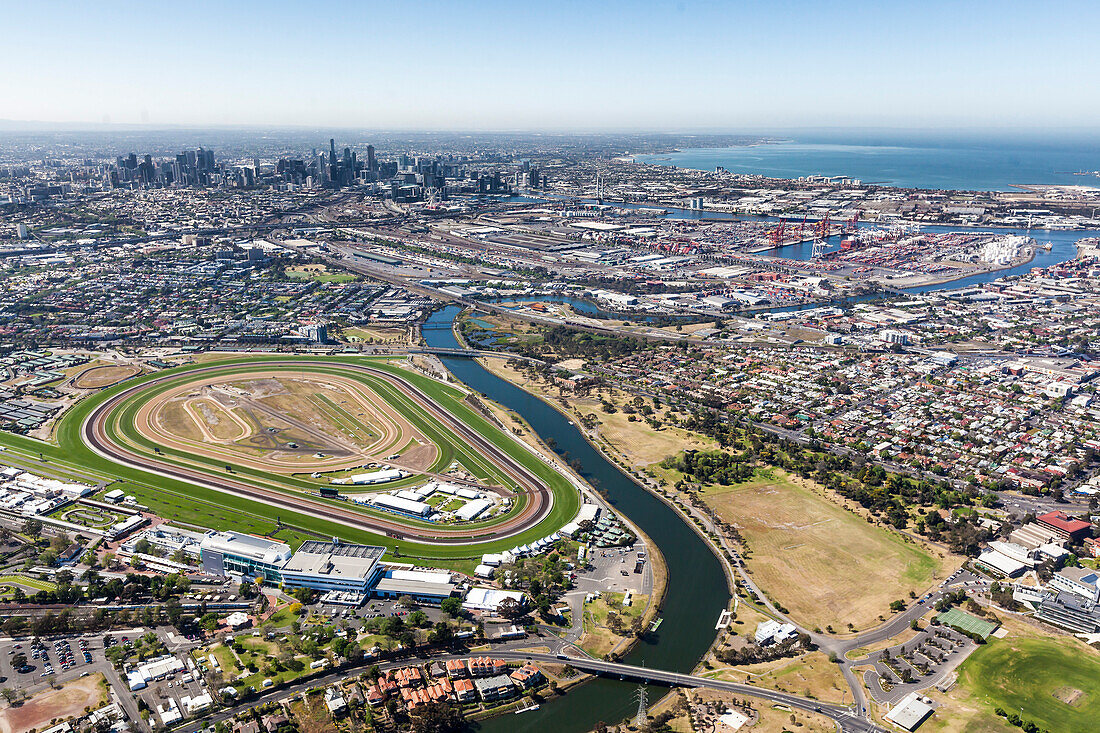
x=696, y=593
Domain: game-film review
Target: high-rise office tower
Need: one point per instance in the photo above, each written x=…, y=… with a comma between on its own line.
x=372, y=164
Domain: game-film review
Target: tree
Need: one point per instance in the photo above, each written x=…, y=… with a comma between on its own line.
x=510, y=609
x=441, y=633
x=19, y=660
x=32, y=528
x=451, y=606
x=436, y=717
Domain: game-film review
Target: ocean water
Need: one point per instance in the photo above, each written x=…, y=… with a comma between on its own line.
x=970, y=164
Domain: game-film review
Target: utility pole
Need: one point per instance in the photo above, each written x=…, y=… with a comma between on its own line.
x=642, y=716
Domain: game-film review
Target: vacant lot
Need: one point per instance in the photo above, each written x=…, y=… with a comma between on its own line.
x=825, y=565
x=1056, y=681
x=598, y=638
x=810, y=675
x=637, y=440
x=64, y=702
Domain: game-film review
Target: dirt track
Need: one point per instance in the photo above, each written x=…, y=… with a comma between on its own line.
x=396, y=430
x=540, y=498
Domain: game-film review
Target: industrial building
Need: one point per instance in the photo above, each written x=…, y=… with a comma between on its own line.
x=423, y=585
x=400, y=505
x=910, y=712
x=489, y=599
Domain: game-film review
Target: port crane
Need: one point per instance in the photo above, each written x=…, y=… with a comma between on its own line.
x=821, y=238
x=776, y=235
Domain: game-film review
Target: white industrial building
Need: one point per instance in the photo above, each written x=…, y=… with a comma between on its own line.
x=773, y=632
x=489, y=599
x=910, y=712
x=423, y=585
x=374, y=477
x=333, y=566
x=474, y=509
x=400, y=505
x=155, y=669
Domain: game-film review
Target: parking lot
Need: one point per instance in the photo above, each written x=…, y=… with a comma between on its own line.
x=60, y=658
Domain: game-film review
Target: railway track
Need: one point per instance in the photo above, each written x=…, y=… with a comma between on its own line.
x=539, y=495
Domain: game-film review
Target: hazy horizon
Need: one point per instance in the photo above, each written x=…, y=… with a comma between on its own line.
x=571, y=66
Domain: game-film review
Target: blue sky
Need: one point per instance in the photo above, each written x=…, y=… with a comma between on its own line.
x=562, y=65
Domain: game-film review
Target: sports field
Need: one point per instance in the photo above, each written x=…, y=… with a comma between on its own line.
x=963, y=621
x=1055, y=682
x=459, y=434
x=825, y=565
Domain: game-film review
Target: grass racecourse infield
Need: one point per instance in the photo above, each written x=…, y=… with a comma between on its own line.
x=188, y=503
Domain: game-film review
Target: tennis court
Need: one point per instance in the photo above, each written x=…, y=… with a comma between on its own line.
x=963, y=621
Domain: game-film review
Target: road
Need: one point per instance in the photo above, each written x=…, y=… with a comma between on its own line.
x=842, y=716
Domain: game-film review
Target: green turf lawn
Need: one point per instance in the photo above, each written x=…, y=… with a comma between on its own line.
x=322, y=277
x=189, y=504
x=1027, y=672
x=27, y=582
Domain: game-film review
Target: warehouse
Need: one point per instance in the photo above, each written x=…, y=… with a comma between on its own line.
x=374, y=477
x=422, y=585
x=489, y=599
x=910, y=712
x=473, y=509
x=400, y=505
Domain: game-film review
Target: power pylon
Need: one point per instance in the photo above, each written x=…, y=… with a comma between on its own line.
x=642, y=716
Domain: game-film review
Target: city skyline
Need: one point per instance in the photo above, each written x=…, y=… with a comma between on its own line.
x=566, y=66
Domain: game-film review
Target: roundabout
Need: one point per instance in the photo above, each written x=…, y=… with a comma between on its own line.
x=274, y=430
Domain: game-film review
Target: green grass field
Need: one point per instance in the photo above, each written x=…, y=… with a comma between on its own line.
x=194, y=505
x=1055, y=682
x=34, y=584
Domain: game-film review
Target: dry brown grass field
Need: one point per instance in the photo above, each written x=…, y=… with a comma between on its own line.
x=824, y=564
x=68, y=700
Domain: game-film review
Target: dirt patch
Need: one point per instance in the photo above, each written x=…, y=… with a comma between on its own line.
x=64, y=702
x=104, y=376
x=1070, y=696
x=419, y=457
